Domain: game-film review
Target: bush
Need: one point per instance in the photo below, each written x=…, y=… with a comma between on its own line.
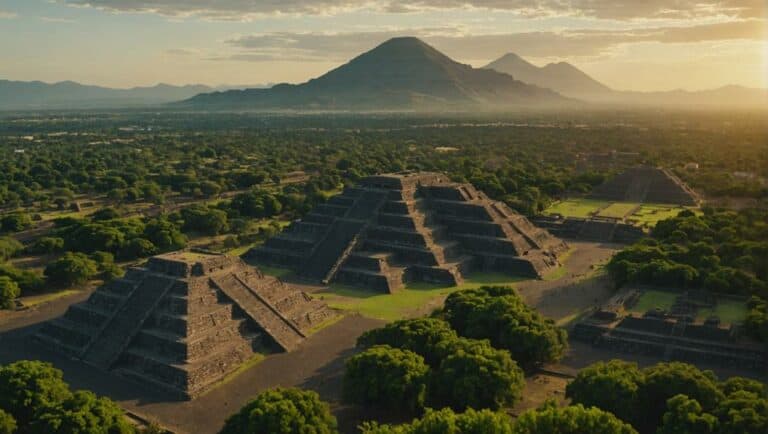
x=481, y=377
x=82, y=413
x=28, y=281
x=388, y=377
x=9, y=291
x=7, y=423
x=422, y=336
x=46, y=246
x=15, y=222
x=9, y=247
x=446, y=421
x=138, y=248
x=500, y=315
x=202, y=219
x=27, y=388
x=611, y=386
x=71, y=269
x=684, y=415
x=570, y=420
x=283, y=411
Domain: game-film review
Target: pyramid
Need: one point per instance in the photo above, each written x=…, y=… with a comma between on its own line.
x=397, y=228
x=646, y=185
x=184, y=321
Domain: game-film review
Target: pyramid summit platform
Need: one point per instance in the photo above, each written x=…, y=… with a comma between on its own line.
x=397, y=228
x=184, y=321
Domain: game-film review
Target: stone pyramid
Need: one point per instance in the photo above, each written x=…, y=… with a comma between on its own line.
x=646, y=185
x=184, y=321
x=397, y=228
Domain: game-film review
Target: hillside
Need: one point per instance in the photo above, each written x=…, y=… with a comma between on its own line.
x=23, y=95
x=401, y=73
x=561, y=77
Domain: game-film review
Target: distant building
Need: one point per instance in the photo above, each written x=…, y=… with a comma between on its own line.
x=691, y=166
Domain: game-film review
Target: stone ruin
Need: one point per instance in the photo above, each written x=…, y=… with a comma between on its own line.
x=673, y=335
x=591, y=229
x=646, y=185
x=185, y=320
x=398, y=228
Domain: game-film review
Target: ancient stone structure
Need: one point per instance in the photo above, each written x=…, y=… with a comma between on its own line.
x=396, y=228
x=184, y=321
x=591, y=229
x=673, y=335
x=646, y=185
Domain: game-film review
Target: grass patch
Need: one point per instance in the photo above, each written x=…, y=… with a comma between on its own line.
x=649, y=215
x=36, y=300
x=582, y=208
x=325, y=324
x=729, y=312
x=617, y=210
x=274, y=271
x=405, y=302
x=653, y=299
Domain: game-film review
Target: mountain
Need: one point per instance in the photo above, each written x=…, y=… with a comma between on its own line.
x=21, y=95
x=561, y=77
x=402, y=73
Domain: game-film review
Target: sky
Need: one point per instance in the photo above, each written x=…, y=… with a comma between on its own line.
x=644, y=45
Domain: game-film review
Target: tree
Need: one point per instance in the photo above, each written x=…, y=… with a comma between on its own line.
x=684, y=416
x=611, y=386
x=15, y=222
x=500, y=315
x=481, y=377
x=666, y=380
x=9, y=291
x=570, y=420
x=9, y=247
x=29, y=387
x=743, y=412
x=46, y=246
x=71, y=269
x=138, y=248
x=446, y=421
x=386, y=376
x=200, y=218
x=82, y=413
x=165, y=235
x=283, y=411
x=422, y=336
x=7, y=423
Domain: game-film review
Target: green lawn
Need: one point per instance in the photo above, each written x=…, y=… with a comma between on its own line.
x=728, y=311
x=653, y=299
x=576, y=207
x=617, y=210
x=649, y=215
x=407, y=302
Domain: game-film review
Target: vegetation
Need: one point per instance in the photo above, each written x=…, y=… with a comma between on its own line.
x=570, y=420
x=283, y=411
x=498, y=314
x=9, y=291
x=446, y=421
x=387, y=377
x=672, y=398
x=35, y=399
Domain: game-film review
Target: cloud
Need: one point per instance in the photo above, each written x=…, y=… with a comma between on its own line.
x=609, y=9
x=4, y=15
x=57, y=20
x=181, y=51
x=336, y=47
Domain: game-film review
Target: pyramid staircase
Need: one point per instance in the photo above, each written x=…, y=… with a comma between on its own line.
x=184, y=321
x=398, y=228
x=647, y=185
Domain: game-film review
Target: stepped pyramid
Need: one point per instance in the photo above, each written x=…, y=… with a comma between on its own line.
x=184, y=321
x=397, y=228
x=647, y=185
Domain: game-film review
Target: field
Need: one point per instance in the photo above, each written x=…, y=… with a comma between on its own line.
x=646, y=215
x=729, y=311
x=654, y=299
x=582, y=208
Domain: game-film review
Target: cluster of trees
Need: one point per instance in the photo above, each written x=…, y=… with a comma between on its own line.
x=465, y=357
x=283, y=411
x=721, y=251
x=34, y=399
x=673, y=398
x=411, y=364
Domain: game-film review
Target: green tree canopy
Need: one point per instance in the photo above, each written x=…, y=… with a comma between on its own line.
x=7, y=423
x=611, y=386
x=283, y=411
x=500, y=315
x=29, y=387
x=445, y=421
x=570, y=420
x=71, y=269
x=482, y=377
x=82, y=413
x=386, y=376
x=684, y=416
x=423, y=336
x=9, y=291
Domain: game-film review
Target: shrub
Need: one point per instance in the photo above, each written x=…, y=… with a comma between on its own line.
x=71, y=269
x=283, y=411
x=570, y=420
x=9, y=291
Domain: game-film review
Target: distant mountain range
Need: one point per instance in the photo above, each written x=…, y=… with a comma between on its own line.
x=402, y=73
x=572, y=82
x=21, y=95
